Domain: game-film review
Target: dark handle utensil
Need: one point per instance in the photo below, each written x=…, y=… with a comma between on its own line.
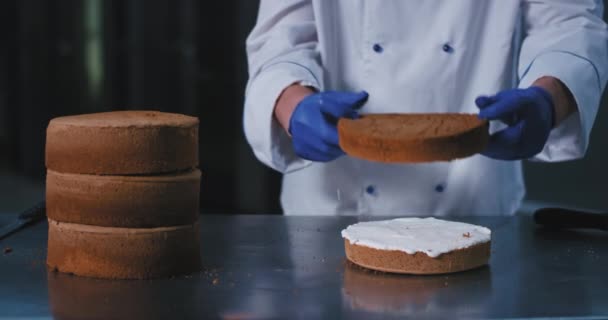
x=25, y=218
x=560, y=218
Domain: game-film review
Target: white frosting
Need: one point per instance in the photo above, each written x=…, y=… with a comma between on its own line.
x=410, y=235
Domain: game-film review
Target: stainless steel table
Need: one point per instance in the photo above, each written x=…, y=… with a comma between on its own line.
x=260, y=267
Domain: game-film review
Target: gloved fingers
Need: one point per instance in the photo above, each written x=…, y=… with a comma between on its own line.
x=342, y=104
x=360, y=100
x=329, y=152
x=505, y=144
x=325, y=129
x=317, y=141
x=535, y=140
x=502, y=108
x=483, y=102
x=354, y=99
x=317, y=151
x=329, y=132
x=353, y=114
x=510, y=119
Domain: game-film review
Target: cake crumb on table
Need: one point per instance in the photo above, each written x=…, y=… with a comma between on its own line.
x=8, y=250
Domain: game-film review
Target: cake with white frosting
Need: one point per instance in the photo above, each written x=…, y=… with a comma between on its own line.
x=417, y=245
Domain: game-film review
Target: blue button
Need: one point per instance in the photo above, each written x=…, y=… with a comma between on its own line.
x=378, y=48
x=439, y=188
x=370, y=189
x=447, y=48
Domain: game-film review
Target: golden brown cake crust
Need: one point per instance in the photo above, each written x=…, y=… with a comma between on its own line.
x=122, y=253
x=418, y=263
x=411, y=138
x=123, y=201
x=122, y=143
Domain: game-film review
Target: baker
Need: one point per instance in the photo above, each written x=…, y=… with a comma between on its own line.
x=536, y=69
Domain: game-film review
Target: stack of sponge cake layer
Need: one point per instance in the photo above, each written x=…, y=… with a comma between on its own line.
x=122, y=194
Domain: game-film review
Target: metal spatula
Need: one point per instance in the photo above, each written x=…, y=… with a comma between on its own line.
x=25, y=218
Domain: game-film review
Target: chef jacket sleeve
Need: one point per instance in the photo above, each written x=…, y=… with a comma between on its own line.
x=567, y=40
x=281, y=50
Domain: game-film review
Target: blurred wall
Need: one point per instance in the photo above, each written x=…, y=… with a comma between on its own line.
x=79, y=56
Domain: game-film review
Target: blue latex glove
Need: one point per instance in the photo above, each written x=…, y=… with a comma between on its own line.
x=313, y=123
x=530, y=115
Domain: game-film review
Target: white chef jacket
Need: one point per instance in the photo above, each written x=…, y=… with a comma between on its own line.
x=419, y=56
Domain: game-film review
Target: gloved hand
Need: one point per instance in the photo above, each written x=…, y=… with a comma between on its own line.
x=313, y=123
x=530, y=115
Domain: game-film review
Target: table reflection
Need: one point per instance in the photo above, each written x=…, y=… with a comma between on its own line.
x=378, y=292
x=74, y=297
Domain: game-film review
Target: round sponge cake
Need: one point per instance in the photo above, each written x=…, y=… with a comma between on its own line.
x=411, y=138
x=122, y=143
x=123, y=201
x=417, y=246
x=123, y=253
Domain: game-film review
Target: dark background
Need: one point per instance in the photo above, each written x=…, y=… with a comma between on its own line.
x=81, y=56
